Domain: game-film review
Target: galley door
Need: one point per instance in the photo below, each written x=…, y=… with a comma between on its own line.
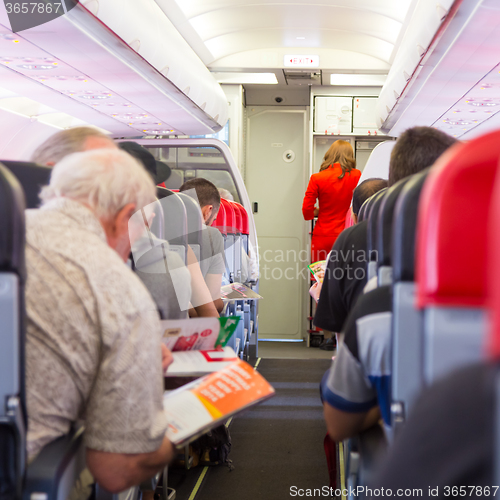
x=276, y=179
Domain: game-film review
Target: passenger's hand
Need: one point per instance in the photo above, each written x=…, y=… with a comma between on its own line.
x=315, y=290
x=166, y=357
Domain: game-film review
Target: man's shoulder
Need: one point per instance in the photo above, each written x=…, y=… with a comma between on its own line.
x=371, y=312
x=82, y=256
x=216, y=237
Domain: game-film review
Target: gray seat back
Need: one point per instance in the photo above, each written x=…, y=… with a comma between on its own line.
x=372, y=218
x=407, y=320
x=451, y=255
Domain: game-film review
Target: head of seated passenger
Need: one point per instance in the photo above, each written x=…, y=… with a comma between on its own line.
x=417, y=148
x=73, y=140
x=159, y=170
x=364, y=191
x=108, y=182
x=225, y=194
x=208, y=197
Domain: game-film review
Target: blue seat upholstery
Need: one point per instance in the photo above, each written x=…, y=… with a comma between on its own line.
x=13, y=422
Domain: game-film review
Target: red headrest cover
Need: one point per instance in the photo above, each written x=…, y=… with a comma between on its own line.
x=493, y=344
x=231, y=225
x=452, y=225
x=220, y=221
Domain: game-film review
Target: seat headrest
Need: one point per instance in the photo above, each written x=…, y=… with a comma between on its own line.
x=372, y=223
x=493, y=344
x=32, y=178
x=385, y=221
x=405, y=227
x=220, y=221
x=231, y=224
x=452, y=225
x=245, y=225
x=363, y=210
x=12, y=226
x=194, y=219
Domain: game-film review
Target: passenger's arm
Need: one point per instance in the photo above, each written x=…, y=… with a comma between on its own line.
x=310, y=197
x=214, y=282
x=342, y=425
x=116, y=472
x=201, y=298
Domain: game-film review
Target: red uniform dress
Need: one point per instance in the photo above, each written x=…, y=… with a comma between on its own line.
x=335, y=197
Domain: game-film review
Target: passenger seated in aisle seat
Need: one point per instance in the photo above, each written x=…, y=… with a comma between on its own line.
x=93, y=342
x=358, y=383
x=212, y=249
x=362, y=192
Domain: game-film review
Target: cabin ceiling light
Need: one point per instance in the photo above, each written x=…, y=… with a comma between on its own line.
x=246, y=78
x=357, y=80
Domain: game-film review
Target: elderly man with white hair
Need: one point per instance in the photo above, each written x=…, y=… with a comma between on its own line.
x=93, y=346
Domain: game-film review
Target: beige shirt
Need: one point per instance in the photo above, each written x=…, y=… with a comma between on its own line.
x=93, y=337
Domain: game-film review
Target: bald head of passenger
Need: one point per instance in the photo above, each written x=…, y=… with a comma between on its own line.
x=66, y=142
x=365, y=190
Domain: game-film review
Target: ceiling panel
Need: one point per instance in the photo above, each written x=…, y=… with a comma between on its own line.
x=234, y=32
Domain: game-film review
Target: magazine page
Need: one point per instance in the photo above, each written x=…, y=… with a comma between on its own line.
x=201, y=405
x=238, y=291
x=198, y=363
x=198, y=333
x=318, y=270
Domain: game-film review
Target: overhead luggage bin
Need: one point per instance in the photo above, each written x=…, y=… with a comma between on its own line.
x=449, y=52
x=118, y=72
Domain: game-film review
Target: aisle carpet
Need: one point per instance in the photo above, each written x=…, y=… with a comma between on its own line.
x=278, y=444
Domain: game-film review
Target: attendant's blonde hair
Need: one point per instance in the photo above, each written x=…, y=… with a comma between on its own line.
x=339, y=152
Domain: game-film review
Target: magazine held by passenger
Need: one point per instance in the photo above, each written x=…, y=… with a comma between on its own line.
x=198, y=334
x=203, y=404
x=199, y=363
x=318, y=270
x=238, y=291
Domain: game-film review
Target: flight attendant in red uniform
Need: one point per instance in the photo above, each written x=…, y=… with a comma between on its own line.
x=332, y=186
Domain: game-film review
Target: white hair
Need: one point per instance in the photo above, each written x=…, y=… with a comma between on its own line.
x=104, y=179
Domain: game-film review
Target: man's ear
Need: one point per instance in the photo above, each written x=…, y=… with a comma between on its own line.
x=206, y=211
x=121, y=219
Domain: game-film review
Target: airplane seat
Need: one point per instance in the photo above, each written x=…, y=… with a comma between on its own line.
x=53, y=472
x=363, y=211
x=220, y=223
x=384, y=232
x=175, y=228
x=229, y=248
x=372, y=218
x=238, y=243
x=451, y=254
x=407, y=321
x=194, y=224
x=245, y=226
x=13, y=423
x=32, y=178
